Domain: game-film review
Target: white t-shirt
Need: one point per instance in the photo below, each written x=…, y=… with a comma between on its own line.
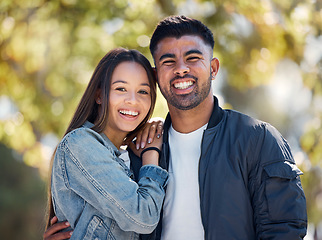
x=125, y=157
x=181, y=212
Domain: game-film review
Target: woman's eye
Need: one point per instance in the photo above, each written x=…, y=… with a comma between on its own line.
x=121, y=89
x=143, y=92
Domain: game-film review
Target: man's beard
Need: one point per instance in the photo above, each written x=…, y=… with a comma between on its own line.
x=190, y=100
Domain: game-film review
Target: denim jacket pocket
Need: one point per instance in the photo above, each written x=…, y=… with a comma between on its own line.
x=284, y=192
x=96, y=230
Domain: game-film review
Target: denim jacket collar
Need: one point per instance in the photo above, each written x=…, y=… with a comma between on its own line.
x=88, y=124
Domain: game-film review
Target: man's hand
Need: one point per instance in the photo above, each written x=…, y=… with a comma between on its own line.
x=52, y=233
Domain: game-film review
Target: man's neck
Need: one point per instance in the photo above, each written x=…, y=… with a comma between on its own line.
x=186, y=121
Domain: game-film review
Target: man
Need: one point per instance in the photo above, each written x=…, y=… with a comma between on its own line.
x=230, y=176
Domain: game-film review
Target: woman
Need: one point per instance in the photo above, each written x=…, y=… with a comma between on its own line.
x=91, y=187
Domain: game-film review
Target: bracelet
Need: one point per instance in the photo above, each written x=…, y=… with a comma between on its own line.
x=150, y=148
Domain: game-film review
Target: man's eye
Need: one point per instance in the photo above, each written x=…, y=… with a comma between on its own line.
x=168, y=62
x=193, y=58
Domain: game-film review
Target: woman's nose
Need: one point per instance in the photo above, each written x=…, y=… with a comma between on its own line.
x=131, y=98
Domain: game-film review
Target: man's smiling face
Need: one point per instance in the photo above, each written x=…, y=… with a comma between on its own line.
x=184, y=69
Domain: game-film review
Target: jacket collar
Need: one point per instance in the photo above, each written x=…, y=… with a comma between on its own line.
x=215, y=118
x=88, y=124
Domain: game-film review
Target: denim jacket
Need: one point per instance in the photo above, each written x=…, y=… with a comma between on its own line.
x=95, y=191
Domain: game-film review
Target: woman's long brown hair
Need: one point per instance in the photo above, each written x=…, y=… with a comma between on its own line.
x=87, y=109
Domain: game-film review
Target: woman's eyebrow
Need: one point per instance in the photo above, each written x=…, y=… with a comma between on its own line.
x=119, y=81
x=125, y=82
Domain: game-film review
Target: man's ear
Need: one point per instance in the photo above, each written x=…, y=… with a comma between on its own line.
x=214, y=67
x=98, y=98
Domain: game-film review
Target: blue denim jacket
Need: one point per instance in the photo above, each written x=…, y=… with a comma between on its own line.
x=95, y=192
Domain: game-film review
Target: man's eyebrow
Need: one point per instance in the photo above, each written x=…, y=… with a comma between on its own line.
x=193, y=51
x=167, y=55
x=170, y=55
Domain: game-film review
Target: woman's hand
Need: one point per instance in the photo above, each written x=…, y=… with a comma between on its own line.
x=152, y=129
x=53, y=232
x=151, y=154
x=150, y=136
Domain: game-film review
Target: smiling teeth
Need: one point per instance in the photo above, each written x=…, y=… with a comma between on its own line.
x=132, y=113
x=183, y=85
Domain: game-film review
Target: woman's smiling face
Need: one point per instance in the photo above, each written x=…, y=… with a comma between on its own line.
x=129, y=99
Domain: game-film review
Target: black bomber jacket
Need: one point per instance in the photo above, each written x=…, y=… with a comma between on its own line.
x=249, y=184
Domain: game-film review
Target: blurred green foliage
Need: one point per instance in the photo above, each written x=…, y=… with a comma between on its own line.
x=22, y=198
x=48, y=50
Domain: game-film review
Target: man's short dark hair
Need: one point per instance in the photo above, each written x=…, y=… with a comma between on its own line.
x=178, y=26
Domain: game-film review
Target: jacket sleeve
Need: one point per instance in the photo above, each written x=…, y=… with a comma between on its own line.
x=277, y=195
x=91, y=171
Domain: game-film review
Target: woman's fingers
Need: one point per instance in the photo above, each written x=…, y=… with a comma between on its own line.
x=155, y=130
x=152, y=130
x=142, y=137
x=138, y=140
x=159, y=129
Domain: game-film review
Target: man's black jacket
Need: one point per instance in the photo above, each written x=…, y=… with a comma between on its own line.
x=249, y=184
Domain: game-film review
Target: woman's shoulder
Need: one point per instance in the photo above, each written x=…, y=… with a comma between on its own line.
x=84, y=141
x=82, y=136
x=80, y=132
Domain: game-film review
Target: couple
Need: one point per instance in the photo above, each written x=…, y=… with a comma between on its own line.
x=227, y=175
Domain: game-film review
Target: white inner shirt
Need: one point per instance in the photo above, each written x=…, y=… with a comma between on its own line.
x=181, y=211
x=125, y=157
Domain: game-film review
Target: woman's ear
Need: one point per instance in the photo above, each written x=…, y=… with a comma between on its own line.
x=98, y=98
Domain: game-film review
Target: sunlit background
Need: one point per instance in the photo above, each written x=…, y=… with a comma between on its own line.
x=270, y=54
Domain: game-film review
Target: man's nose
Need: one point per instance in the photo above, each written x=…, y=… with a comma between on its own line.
x=181, y=68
